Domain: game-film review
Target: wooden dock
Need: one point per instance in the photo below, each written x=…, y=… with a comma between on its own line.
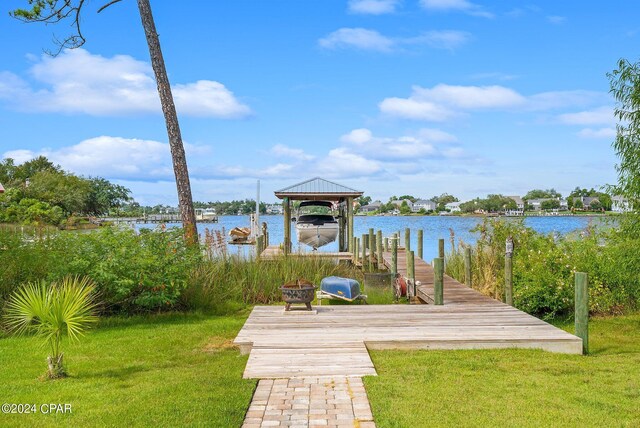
x=273, y=252
x=333, y=340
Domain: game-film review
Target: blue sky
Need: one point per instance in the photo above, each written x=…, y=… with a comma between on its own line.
x=390, y=97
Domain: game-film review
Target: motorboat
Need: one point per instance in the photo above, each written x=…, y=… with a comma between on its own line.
x=313, y=229
x=207, y=215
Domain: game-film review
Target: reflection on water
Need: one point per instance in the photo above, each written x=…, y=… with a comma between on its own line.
x=435, y=227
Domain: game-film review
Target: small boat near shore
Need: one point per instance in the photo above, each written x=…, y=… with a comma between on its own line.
x=316, y=230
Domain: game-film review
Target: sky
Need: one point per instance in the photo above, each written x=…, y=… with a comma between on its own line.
x=390, y=97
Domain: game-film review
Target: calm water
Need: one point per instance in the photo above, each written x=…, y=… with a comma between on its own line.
x=435, y=227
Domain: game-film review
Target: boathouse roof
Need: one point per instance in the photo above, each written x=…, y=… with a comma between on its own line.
x=317, y=189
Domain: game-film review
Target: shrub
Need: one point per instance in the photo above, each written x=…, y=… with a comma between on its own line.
x=544, y=267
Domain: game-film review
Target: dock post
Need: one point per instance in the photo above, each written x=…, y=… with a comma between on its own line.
x=356, y=251
x=420, y=243
x=287, y=226
x=372, y=249
x=582, y=310
x=508, y=272
x=364, y=249
x=386, y=244
x=407, y=240
x=441, y=248
x=394, y=254
x=467, y=266
x=379, y=262
x=438, y=281
x=259, y=245
x=411, y=273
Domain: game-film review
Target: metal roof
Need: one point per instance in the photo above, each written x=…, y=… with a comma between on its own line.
x=317, y=188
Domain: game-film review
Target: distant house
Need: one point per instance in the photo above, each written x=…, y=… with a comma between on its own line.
x=619, y=204
x=586, y=200
x=453, y=207
x=518, y=200
x=422, y=204
x=398, y=203
x=373, y=206
x=275, y=209
x=536, y=204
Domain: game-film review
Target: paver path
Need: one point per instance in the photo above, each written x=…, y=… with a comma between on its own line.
x=331, y=401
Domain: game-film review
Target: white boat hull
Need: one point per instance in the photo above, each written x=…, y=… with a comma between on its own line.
x=316, y=235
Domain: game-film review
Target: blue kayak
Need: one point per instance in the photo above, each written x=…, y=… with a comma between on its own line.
x=342, y=288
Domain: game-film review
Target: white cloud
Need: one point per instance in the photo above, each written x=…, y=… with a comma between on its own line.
x=445, y=39
x=599, y=116
x=78, y=82
x=443, y=102
x=606, y=133
x=341, y=162
x=426, y=143
x=112, y=157
x=280, y=150
x=358, y=38
x=371, y=40
x=554, y=19
x=358, y=136
x=456, y=5
x=373, y=7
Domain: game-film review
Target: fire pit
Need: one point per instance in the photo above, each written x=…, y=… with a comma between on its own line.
x=299, y=291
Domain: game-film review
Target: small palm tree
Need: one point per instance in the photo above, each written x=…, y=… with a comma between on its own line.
x=52, y=311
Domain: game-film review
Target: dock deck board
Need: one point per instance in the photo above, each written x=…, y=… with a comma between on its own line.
x=334, y=341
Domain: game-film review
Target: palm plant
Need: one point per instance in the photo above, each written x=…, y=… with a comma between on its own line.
x=52, y=311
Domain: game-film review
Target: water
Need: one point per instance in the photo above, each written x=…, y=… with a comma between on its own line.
x=435, y=227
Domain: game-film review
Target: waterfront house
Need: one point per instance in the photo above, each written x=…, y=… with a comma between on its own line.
x=398, y=203
x=587, y=201
x=453, y=207
x=422, y=204
x=619, y=204
x=275, y=209
x=519, y=202
x=373, y=206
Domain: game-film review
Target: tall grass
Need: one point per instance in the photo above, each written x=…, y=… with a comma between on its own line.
x=225, y=284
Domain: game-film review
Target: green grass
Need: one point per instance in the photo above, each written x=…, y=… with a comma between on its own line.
x=513, y=387
x=166, y=370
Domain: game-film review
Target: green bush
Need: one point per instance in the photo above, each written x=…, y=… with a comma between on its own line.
x=544, y=267
x=133, y=272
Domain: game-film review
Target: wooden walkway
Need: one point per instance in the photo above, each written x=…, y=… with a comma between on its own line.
x=275, y=252
x=334, y=340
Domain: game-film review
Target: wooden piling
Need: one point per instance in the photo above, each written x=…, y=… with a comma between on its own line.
x=411, y=273
x=372, y=249
x=508, y=280
x=286, y=203
x=379, y=263
x=364, y=249
x=407, y=240
x=356, y=253
x=582, y=309
x=420, y=242
x=467, y=266
x=441, y=248
x=394, y=254
x=386, y=244
x=438, y=280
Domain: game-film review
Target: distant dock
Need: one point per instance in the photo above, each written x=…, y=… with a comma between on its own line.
x=155, y=218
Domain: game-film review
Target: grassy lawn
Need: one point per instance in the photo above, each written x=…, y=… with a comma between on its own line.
x=167, y=370
x=513, y=387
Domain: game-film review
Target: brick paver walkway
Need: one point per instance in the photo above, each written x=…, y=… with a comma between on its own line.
x=336, y=401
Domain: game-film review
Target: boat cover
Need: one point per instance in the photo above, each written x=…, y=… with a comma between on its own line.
x=342, y=288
